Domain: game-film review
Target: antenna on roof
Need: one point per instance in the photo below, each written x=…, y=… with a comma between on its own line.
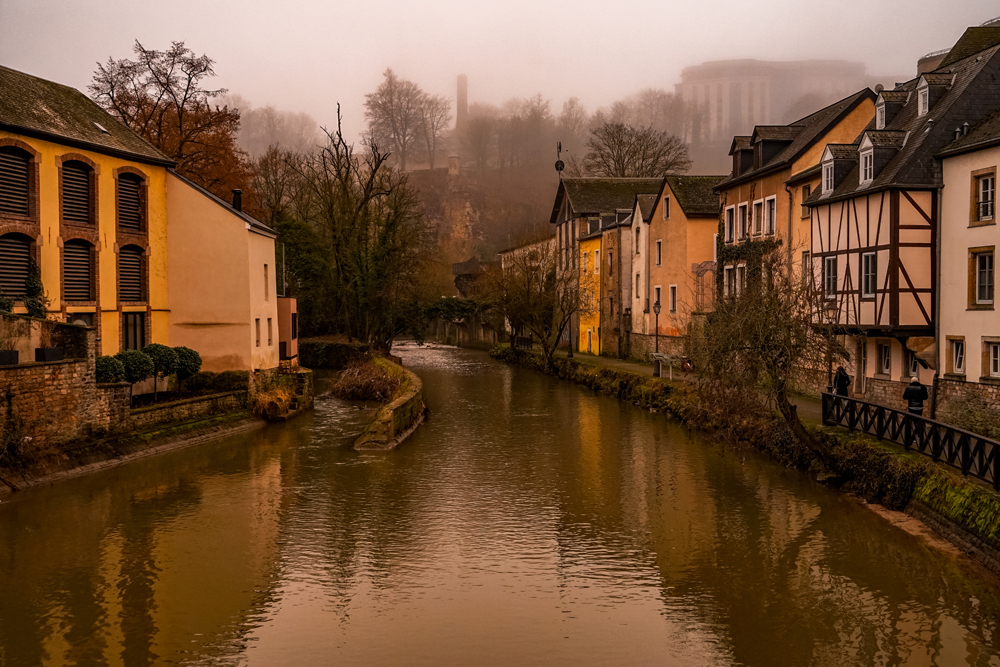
x=560, y=165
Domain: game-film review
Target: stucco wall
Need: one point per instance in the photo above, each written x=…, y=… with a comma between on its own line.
x=263, y=300
x=590, y=297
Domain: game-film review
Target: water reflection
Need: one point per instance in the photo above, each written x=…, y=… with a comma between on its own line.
x=528, y=521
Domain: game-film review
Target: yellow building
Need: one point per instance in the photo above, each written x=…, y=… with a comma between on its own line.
x=590, y=292
x=221, y=270
x=85, y=198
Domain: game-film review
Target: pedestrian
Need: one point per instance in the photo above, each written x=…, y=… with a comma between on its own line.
x=915, y=394
x=841, y=381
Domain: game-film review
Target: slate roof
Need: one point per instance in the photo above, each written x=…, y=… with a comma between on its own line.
x=938, y=79
x=974, y=95
x=255, y=224
x=646, y=204
x=972, y=42
x=814, y=126
x=985, y=133
x=598, y=195
x=740, y=143
x=47, y=110
x=895, y=95
x=886, y=138
x=843, y=151
x=696, y=195
x=775, y=132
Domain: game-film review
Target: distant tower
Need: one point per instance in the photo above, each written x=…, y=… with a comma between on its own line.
x=462, y=103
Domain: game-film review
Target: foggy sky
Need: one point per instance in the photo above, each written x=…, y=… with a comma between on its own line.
x=307, y=55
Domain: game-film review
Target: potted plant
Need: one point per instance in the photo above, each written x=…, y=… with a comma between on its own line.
x=47, y=352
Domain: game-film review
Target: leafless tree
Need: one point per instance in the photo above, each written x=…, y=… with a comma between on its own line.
x=435, y=115
x=264, y=127
x=622, y=151
x=393, y=112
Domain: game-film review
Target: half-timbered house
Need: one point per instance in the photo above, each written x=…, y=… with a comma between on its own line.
x=875, y=218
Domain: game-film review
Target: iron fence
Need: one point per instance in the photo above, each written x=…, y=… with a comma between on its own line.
x=973, y=454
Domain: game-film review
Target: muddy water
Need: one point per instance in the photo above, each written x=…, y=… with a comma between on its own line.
x=528, y=521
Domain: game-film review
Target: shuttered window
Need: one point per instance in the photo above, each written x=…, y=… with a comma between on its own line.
x=15, y=254
x=77, y=271
x=14, y=164
x=130, y=274
x=133, y=331
x=130, y=202
x=76, y=193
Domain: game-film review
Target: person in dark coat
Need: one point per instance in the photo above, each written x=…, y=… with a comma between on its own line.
x=841, y=381
x=915, y=394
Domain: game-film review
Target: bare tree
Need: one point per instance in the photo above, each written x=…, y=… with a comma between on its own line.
x=264, y=127
x=393, y=112
x=622, y=151
x=435, y=114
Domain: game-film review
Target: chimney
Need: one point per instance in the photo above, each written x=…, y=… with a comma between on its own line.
x=462, y=102
x=238, y=200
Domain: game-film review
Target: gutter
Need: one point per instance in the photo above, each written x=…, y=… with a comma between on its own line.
x=790, y=200
x=937, y=306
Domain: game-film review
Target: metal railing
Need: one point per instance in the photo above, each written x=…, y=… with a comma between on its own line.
x=523, y=341
x=973, y=454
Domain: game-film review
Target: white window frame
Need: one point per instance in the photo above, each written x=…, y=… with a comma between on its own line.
x=990, y=273
x=828, y=178
x=728, y=279
x=770, y=215
x=730, y=224
x=869, y=274
x=597, y=262
x=742, y=222
x=867, y=166
x=666, y=208
x=923, y=101
x=657, y=295
x=758, y=220
x=741, y=277
x=880, y=116
x=993, y=358
x=830, y=278
x=672, y=296
x=985, y=195
x=958, y=357
x=884, y=359
x=659, y=252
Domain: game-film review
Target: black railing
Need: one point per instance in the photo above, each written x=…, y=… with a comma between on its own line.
x=523, y=341
x=973, y=454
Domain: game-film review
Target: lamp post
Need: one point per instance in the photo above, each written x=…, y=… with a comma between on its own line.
x=656, y=311
x=831, y=313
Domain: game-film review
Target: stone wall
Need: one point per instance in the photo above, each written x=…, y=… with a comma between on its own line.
x=396, y=420
x=890, y=394
x=186, y=410
x=950, y=391
x=641, y=346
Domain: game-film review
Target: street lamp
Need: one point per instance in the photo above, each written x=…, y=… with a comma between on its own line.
x=831, y=309
x=656, y=311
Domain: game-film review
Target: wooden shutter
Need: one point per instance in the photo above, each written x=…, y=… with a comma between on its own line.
x=15, y=253
x=130, y=202
x=76, y=193
x=130, y=274
x=14, y=181
x=77, y=271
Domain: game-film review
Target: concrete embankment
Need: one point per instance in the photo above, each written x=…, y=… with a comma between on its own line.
x=396, y=420
x=965, y=513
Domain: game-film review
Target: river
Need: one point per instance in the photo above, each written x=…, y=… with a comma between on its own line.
x=528, y=521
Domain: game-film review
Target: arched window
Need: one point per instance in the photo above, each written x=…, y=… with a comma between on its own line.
x=78, y=271
x=77, y=200
x=15, y=254
x=130, y=279
x=130, y=205
x=14, y=180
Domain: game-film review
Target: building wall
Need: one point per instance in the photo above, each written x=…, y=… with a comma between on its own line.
x=639, y=273
x=590, y=297
x=961, y=318
x=263, y=300
x=51, y=236
x=617, y=264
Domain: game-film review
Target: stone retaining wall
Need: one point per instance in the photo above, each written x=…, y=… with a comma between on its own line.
x=186, y=410
x=642, y=346
x=396, y=420
x=950, y=390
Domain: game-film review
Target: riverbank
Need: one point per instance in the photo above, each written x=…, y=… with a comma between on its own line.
x=399, y=418
x=964, y=513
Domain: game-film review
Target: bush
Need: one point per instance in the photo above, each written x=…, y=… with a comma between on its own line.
x=137, y=365
x=35, y=299
x=164, y=358
x=6, y=303
x=188, y=362
x=365, y=381
x=273, y=397
x=109, y=369
x=231, y=381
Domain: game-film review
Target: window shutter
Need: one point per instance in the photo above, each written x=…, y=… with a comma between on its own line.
x=76, y=193
x=15, y=253
x=14, y=181
x=130, y=274
x=77, y=271
x=129, y=202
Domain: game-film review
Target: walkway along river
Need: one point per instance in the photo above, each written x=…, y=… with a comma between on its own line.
x=528, y=521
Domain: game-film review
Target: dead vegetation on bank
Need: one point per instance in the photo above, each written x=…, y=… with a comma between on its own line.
x=366, y=380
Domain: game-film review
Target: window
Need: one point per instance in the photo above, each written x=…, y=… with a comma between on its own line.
x=807, y=267
x=673, y=298
x=133, y=331
x=869, y=274
x=270, y=333
x=78, y=271
x=880, y=117
x=256, y=324
x=15, y=255
x=666, y=208
x=15, y=181
x=715, y=247
x=806, y=191
x=130, y=279
x=958, y=356
x=77, y=203
x=656, y=294
x=993, y=355
x=730, y=225
x=984, y=278
x=884, y=359
x=770, y=215
x=295, y=326
x=729, y=284
x=611, y=262
x=130, y=205
x=638, y=292
x=828, y=178
x=923, y=98
x=597, y=262
x=741, y=278
x=638, y=233
x=985, y=196
x=867, y=167
x=266, y=292
x=830, y=277
x=659, y=252
x=583, y=263
x=743, y=221
x=912, y=365
x=758, y=218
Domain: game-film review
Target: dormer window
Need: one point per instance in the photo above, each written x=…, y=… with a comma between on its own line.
x=880, y=117
x=923, y=101
x=828, y=178
x=867, y=166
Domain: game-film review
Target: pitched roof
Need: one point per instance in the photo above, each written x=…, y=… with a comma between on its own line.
x=696, y=194
x=973, y=96
x=894, y=95
x=598, y=195
x=843, y=151
x=938, y=78
x=984, y=134
x=775, y=132
x=972, y=41
x=886, y=138
x=740, y=143
x=253, y=223
x=646, y=205
x=814, y=126
x=48, y=110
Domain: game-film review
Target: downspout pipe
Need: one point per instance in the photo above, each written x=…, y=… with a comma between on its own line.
x=791, y=200
x=937, y=303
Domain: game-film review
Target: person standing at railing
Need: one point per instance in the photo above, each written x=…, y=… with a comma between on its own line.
x=841, y=381
x=915, y=394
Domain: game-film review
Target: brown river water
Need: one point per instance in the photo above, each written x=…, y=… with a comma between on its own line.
x=527, y=522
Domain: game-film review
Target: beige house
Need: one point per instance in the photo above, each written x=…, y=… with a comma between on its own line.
x=221, y=273
x=969, y=344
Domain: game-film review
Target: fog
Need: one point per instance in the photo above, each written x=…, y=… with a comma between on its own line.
x=306, y=56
